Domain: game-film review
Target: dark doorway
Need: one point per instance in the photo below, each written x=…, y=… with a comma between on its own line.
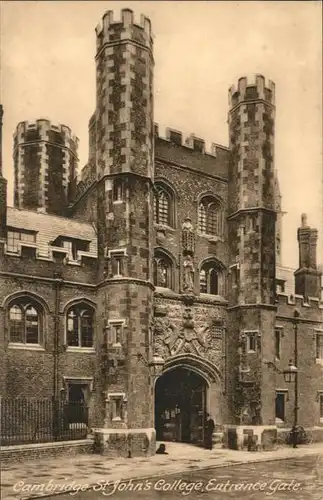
x=76, y=393
x=180, y=397
x=76, y=408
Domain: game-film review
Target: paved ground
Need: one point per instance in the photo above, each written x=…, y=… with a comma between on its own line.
x=295, y=479
x=34, y=479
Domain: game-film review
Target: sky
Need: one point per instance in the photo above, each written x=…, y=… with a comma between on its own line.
x=200, y=49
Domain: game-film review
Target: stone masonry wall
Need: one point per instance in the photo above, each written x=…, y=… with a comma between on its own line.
x=188, y=187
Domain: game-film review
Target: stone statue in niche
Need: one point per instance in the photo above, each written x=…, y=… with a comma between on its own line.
x=188, y=237
x=188, y=274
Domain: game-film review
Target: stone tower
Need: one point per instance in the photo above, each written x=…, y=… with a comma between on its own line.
x=45, y=163
x=251, y=227
x=124, y=162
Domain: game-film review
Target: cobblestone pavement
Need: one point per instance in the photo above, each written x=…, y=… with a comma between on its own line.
x=295, y=479
x=34, y=479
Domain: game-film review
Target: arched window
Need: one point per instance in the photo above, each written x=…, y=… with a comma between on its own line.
x=210, y=216
x=163, y=271
x=25, y=321
x=80, y=326
x=164, y=206
x=210, y=278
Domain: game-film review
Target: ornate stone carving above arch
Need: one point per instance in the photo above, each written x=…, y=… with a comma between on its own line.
x=200, y=338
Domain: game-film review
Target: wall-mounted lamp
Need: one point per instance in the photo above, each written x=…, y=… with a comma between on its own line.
x=290, y=373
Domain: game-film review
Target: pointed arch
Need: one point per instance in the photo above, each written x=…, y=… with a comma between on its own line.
x=164, y=203
x=164, y=265
x=79, y=323
x=25, y=315
x=210, y=215
x=199, y=365
x=25, y=293
x=212, y=276
x=81, y=299
x=212, y=259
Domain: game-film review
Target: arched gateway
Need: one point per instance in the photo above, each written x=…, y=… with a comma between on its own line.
x=180, y=406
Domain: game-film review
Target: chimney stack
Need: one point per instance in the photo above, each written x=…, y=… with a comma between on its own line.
x=307, y=276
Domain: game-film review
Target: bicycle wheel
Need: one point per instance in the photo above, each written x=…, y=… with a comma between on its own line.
x=309, y=437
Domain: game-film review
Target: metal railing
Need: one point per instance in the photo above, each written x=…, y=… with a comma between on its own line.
x=29, y=420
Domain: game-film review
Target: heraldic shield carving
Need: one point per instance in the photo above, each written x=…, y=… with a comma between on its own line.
x=203, y=340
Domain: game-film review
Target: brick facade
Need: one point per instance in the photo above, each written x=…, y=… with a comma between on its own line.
x=174, y=249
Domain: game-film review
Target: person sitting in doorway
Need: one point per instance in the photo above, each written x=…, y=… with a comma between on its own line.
x=161, y=450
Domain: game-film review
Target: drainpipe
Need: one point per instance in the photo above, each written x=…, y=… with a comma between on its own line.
x=56, y=352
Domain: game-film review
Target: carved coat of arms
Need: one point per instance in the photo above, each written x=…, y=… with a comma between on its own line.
x=170, y=339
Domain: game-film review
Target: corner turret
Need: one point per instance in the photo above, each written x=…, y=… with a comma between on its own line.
x=45, y=164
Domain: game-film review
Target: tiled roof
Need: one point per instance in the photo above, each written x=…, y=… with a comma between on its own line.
x=49, y=227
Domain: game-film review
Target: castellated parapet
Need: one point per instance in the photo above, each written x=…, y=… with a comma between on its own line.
x=125, y=28
x=192, y=142
x=250, y=89
x=43, y=127
x=45, y=162
x=124, y=110
x=298, y=302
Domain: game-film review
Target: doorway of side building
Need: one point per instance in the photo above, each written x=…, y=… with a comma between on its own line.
x=180, y=406
x=76, y=407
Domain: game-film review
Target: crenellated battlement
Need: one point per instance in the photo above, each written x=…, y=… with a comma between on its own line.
x=192, y=142
x=111, y=31
x=44, y=129
x=298, y=301
x=250, y=89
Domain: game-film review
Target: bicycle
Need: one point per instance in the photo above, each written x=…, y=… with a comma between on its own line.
x=302, y=436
